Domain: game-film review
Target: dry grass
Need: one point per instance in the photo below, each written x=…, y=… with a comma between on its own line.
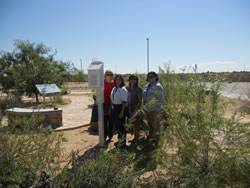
x=76, y=84
x=235, y=105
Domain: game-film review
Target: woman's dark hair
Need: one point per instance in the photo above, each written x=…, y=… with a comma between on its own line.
x=133, y=77
x=116, y=76
x=153, y=73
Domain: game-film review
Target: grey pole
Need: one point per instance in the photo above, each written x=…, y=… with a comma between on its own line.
x=81, y=64
x=148, y=54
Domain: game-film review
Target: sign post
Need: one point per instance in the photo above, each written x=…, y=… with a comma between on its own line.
x=96, y=81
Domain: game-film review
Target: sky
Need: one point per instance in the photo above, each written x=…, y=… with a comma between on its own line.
x=214, y=34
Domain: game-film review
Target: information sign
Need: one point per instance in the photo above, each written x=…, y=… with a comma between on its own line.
x=47, y=88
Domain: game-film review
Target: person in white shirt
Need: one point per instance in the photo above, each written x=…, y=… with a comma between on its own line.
x=119, y=97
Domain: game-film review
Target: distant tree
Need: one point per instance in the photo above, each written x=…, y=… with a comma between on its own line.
x=29, y=64
x=78, y=76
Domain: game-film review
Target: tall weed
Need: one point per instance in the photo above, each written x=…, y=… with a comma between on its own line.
x=199, y=147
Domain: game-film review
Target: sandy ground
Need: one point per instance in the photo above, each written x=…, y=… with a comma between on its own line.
x=234, y=105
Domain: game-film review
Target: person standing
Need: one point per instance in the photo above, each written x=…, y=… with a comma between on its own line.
x=108, y=121
x=152, y=103
x=134, y=103
x=119, y=97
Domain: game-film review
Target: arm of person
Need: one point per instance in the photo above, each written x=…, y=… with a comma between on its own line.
x=139, y=95
x=140, y=101
x=124, y=101
x=159, y=97
x=121, y=115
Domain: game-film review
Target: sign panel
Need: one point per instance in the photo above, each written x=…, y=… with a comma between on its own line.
x=47, y=88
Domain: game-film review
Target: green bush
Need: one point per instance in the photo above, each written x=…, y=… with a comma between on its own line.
x=9, y=101
x=25, y=152
x=59, y=99
x=106, y=170
x=200, y=148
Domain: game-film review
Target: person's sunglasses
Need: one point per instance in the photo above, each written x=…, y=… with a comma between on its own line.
x=109, y=74
x=151, y=76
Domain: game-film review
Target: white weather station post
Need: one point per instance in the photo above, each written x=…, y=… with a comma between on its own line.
x=96, y=81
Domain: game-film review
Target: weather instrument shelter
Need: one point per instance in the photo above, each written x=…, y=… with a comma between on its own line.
x=96, y=81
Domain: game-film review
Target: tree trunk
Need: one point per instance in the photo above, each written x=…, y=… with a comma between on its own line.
x=37, y=99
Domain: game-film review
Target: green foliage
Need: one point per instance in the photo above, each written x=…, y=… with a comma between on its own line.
x=28, y=65
x=26, y=152
x=59, y=99
x=106, y=170
x=9, y=101
x=201, y=148
x=142, y=80
x=79, y=76
x=245, y=109
x=72, y=74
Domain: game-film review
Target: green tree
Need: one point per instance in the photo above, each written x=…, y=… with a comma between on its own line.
x=29, y=64
x=78, y=76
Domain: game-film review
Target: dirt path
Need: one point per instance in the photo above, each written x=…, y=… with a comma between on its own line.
x=76, y=119
x=78, y=112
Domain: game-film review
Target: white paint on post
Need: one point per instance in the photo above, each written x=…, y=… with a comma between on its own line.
x=96, y=81
x=100, y=100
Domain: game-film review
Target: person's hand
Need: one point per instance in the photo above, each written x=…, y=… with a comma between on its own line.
x=121, y=114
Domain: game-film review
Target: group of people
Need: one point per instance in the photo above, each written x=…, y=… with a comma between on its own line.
x=122, y=101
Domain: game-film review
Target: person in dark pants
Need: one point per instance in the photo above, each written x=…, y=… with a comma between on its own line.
x=119, y=97
x=108, y=121
x=134, y=103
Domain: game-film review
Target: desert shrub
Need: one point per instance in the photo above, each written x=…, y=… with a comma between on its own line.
x=245, y=109
x=142, y=80
x=25, y=152
x=59, y=99
x=105, y=170
x=199, y=147
x=8, y=101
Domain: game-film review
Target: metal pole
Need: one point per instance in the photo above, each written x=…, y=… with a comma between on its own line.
x=81, y=64
x=148, y=53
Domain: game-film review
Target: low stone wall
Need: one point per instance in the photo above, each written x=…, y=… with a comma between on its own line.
x=48, y=117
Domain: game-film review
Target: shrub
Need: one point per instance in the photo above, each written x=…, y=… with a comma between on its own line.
x=25, y=152
x=59, y=99
x=200, y=148
x=106, y=170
